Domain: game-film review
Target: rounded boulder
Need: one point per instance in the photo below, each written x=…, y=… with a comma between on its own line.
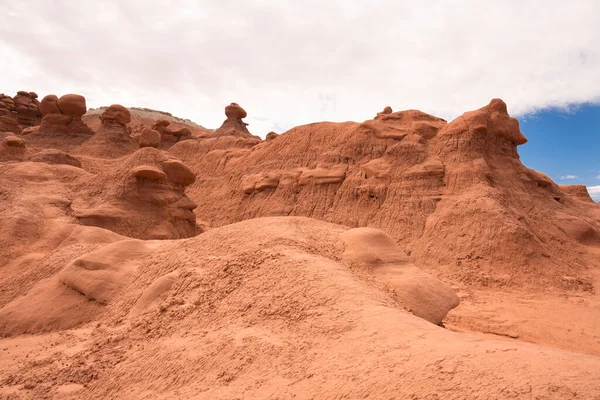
x=72, y=104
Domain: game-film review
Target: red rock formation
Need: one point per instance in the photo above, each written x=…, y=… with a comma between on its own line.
x=412, y=175
x=116, y=114
x=8, y=115
x=291, y=303
x=28, y=108
x=29, y=130
x=271, y=135
x=113, y=139
x=149, y=138
x=233, y=125
x=12, y=148
x=61, y=126
x=169, y=137
x=143, y=197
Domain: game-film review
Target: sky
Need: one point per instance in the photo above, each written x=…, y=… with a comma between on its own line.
x=565, y=145
x=291, y=63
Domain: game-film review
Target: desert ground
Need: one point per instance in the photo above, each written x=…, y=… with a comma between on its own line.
x=145, y=256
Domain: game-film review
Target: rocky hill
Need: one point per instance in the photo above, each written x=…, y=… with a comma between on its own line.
x=405, y=256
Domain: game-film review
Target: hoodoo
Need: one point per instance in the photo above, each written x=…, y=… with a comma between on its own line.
x=113, y=139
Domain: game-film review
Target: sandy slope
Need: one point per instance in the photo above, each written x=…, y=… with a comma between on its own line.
x=268, y=308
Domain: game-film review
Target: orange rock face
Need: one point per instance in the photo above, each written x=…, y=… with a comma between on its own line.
x=411, y=174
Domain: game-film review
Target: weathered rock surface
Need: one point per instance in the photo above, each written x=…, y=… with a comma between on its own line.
x=113, y=139
x=61, y=126
x=234, y=125
x=149, y=138
x=408, y=213
x=12, y=148
x=8, y=115
x=143, y=197
x=27, y=107
x=412, y=175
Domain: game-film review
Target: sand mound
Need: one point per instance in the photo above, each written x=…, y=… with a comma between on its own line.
x=377, y=253
x=12, y=148
x=267, y=305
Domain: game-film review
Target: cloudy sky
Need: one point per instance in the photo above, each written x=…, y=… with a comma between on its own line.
x=289, y=63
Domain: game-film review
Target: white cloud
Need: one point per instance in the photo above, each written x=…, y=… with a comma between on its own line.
x=567, y=177
x=289, y=63
x=594, y=192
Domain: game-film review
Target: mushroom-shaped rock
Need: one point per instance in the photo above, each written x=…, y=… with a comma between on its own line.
x=149, y=172
x=61, y=121
x=116, y=113
x=178, y=172
x=113, y=139
x=13, y=141
x=49, y=105
x=271, y=135
x=8, y=115
x=162, y=122
x=149, y=138
x=233, y=125
x=162, y=126
x=168, y=135
x=235, y=111
x=387, y=110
